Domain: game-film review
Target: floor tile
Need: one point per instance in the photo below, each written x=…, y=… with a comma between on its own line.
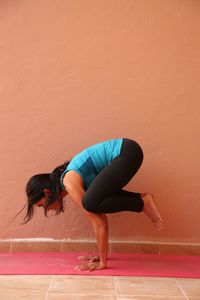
x=190, y=286
x=146, y=286
x=81, y=297
x=82, y=285
x=151, y=298
x=22, y=296
x=19, y=283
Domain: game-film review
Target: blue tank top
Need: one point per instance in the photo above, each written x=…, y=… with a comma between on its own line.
x=91, y=161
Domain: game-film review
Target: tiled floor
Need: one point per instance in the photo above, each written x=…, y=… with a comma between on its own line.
x=59, y=287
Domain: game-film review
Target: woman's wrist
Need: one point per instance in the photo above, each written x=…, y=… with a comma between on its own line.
x=103, y=263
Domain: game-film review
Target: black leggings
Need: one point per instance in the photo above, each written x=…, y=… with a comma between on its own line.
x=105, y=194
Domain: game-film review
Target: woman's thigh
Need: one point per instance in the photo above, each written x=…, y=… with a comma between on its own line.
x=115, y=175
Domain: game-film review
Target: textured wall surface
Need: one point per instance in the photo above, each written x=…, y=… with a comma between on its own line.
x=74, y=73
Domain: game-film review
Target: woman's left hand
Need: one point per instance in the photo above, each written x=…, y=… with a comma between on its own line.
x=90, y=267
x=90, y=258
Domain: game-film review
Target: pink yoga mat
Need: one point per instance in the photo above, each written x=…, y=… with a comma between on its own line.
x=119, y=264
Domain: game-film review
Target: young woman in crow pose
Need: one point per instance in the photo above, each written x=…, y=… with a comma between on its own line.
x=94, y=180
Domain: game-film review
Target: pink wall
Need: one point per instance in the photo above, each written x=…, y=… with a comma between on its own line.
x=74, y=73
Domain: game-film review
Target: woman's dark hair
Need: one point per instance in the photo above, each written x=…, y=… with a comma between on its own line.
x=35, y=187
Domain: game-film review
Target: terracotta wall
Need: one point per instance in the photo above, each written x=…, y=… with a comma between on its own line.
x=74, y=73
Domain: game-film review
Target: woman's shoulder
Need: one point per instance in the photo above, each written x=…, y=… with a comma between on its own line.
x=72, y=178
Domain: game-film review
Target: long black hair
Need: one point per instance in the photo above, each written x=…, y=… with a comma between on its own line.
x=35, y=187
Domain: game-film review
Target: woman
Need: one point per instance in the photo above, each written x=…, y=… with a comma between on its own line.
x=94, y=179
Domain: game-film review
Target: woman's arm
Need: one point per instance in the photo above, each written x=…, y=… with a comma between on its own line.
x=101, y=233
x=99, y=221
x=95, y=258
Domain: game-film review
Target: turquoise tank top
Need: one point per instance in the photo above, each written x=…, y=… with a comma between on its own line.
x=91, y=161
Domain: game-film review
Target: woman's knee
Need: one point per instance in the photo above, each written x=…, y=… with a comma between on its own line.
x=89, y=203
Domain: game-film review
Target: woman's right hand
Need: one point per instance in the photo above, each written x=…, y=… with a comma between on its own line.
x=90, y=258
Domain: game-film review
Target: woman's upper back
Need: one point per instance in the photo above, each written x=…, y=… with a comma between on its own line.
x=91, y=161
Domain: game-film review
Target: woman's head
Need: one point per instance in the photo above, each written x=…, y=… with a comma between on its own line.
x=45, y=190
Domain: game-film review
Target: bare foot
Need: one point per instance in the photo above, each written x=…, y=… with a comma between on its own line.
x=151, y=211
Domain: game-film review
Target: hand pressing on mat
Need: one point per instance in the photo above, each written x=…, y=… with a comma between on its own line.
x=90, y=267
x=91, y=258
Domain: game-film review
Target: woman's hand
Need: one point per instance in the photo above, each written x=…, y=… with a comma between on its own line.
x=90, y=267
x=90, y=258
